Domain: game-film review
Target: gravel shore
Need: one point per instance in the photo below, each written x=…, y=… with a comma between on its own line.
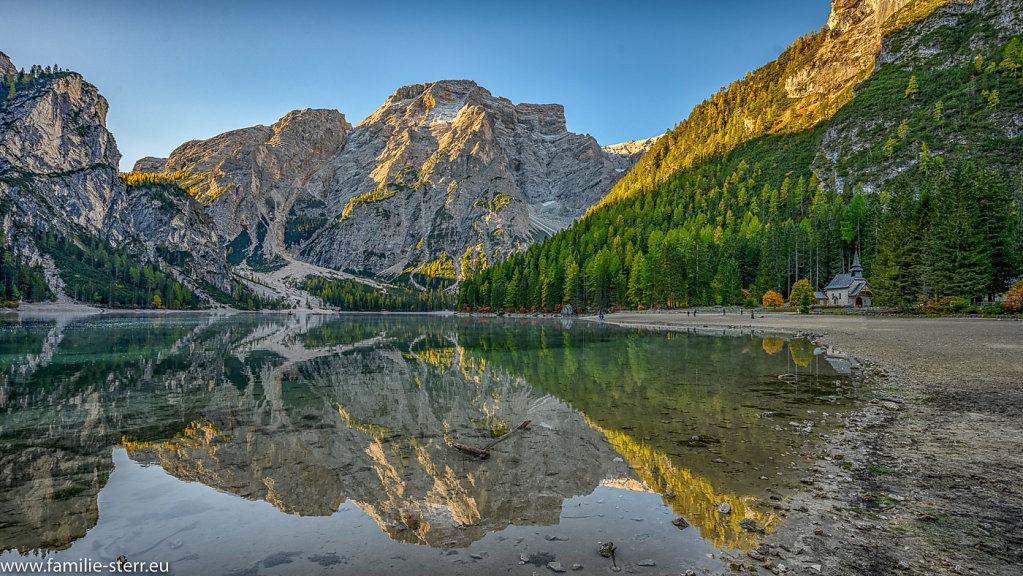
x=927, y=478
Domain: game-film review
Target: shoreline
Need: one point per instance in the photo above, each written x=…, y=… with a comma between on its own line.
x=79, y=310
x=925, y=479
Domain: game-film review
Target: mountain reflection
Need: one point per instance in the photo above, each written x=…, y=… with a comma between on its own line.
x=309, y=412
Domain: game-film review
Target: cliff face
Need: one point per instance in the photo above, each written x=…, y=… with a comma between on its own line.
x=254, y=174
x=855, y=29
x=58, y=172
x=6, y=67
x=57, y=160
x=448, y=170
x=440, y=171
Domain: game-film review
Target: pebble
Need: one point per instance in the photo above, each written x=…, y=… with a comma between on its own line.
x=815, y=567
x=755, y=555
x=553, y=538
x=903, y=565
x=476, y=556
x=680, y=522
x=725, y=508
x=647, y=562
x=555, y=566
x=748, y=524
x=577, y=567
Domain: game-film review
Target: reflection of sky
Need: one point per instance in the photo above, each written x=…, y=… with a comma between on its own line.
x=148, y=515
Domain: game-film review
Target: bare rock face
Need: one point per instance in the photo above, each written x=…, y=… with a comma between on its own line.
x=58, y=172
x=442, y=171
x=446, y=170
x=630, y=150
x=6, y=67
x=59, y=158
x=253, y=175
x=149, y=164
x=177, y=223
x=1005, y=19
x=847, y=56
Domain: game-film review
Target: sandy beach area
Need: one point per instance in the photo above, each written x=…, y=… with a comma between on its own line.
x=927, y=477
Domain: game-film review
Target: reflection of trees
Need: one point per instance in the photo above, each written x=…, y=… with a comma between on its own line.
x=773, y=345
x=801, y=352
x=695, y=498
x=669, y=403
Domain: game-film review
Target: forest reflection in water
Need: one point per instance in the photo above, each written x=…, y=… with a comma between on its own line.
x=315, y=414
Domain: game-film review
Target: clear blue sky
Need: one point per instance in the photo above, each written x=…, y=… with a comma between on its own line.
x=182, y=70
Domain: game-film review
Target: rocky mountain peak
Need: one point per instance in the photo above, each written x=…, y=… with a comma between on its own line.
x=6, y=66
x=429, y=103
x=846, y=14
x=630, y=147
x=441, y=173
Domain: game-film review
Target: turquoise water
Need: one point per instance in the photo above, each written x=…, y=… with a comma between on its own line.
x=268, y=444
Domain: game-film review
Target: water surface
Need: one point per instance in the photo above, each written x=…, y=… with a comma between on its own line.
x=268, y=444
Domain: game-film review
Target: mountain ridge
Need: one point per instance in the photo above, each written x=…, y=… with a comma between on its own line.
x=469, y=175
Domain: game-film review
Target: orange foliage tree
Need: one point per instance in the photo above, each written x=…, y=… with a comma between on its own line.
x=1014, y=299
x=772, y=299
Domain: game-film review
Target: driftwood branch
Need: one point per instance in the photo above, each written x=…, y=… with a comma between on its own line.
x=507, y=435
x=484, y=453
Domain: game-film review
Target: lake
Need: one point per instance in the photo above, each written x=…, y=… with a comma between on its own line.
x=274, y=444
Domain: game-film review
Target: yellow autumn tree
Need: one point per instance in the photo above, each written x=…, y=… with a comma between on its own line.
x=802, y=296
x=772, y=299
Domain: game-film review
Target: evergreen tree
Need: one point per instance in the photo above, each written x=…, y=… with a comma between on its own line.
x=959, y=261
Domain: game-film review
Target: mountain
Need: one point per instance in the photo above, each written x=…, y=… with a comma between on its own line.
x=443, y=177
x=77, y=230
x=805, y=85
x=893, y=132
